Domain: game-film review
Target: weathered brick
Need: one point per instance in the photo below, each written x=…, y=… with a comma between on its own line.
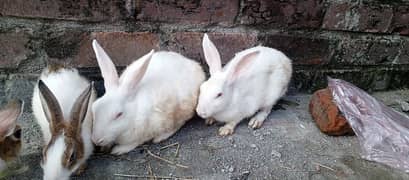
x=336, y=17
x=190, y=44
x=403, y=57
x=326, y=114
x=189, y=11
x=63, y=45
x=368, y=78
x=64, y=9
x=383, y=51
x=367, y=51
x=374, y=18
x=352, y=17
x=399, y=80
x=276, y=13
x=13, y=49
x=400, y=21
x=75, y=49
x=301, y=50
x=123, y=48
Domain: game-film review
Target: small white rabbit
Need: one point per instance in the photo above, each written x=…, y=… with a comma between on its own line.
x=10, y=132
x=152, y=99
x=62, y=106
x=250, y=84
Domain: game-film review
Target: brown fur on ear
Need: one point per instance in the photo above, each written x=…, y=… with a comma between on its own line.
x=80, y=108
x=10, y=146
x=73, y=139
x=74, y=150
x=72, y=130
x=51, y=108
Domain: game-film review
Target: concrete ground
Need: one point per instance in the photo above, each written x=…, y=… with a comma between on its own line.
x=288, y=146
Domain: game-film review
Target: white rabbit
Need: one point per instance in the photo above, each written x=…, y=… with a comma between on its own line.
x=152, y=99
x=250, y=84
x=62, y=106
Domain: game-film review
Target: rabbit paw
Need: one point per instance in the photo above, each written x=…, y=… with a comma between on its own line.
x=210, y=121
x=121, y=149
x=259, y=118
x=226, y=130
x=256, y=122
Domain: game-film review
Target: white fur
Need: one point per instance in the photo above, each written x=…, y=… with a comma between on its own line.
x=66, y=85
x=154, y=108
x=54, y=161
x=257, y=87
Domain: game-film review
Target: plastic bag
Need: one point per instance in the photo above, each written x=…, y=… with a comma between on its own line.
x=382, y=132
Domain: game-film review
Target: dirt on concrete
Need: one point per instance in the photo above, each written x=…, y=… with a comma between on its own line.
x=287, y=146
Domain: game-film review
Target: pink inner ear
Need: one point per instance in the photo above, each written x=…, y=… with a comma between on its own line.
x=134, y=73
x=8, y=119
x=212, y=55
x=107, y=67
x=244, y=63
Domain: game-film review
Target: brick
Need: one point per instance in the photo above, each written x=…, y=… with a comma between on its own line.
x=123, y=48
x=301, y=50
x=336, y=17
x=276, y=13
x=365, y=18
x=190, y=44
x=376, y=78
x=375, y=18
x=75, y=49
x=64, y=9
x=403, y=57
x=367, y=51
x=399, y=80
x=326, y=114
x=63, y=45
x=383, y=52
x=13, y=49
x=400, y=21
x=188, y=11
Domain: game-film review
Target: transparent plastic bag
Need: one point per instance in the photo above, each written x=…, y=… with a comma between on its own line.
x=382, y=132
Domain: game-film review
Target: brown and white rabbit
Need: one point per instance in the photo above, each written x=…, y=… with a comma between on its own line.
x=62, y=106
x=151, y=100
x=249, y=85
x=10, y=132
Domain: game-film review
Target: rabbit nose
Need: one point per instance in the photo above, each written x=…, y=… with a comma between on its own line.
x=97, y=141
x=202, y=114
x=100, y=141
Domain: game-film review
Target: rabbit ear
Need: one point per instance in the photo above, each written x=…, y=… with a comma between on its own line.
x=241, y=65
x=106, y=66
x=9, y=116
x=135, y=72
x=212, y=56
x=80, y=108
x=51, y=108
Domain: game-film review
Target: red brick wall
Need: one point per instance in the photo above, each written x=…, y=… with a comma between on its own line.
x=362, y=41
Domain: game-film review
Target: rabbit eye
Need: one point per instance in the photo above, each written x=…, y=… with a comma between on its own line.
x=219, y=95
x=118, y=115
x=73, y=156
x=17, y=134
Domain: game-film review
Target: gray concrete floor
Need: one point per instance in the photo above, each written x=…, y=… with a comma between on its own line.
x=288, y=146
